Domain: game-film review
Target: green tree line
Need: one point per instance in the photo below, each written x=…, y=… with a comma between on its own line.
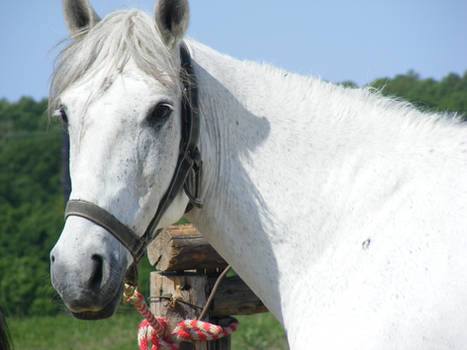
x=31, y=205
x=447, y=95
x=31, y=186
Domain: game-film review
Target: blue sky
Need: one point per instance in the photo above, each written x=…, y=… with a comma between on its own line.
x=337, y=40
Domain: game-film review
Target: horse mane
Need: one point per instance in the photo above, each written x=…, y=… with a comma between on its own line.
x=107, y=47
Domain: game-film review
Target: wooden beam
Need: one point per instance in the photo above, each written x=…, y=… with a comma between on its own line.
x=180, y=248
x=234, y=297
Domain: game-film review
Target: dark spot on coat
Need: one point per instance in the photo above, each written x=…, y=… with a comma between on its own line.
x=366, y=244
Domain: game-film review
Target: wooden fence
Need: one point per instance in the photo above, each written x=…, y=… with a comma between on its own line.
x=187, y=268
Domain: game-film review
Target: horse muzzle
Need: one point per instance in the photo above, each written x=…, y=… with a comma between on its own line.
x=87, y=275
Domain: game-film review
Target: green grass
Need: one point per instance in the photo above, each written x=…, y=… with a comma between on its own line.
x=65, y=332
x=119, y=333
x=258, y=332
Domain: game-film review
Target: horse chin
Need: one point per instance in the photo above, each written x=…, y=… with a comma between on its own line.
x=107, y=311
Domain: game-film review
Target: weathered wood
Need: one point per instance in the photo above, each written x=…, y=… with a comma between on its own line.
x=181, y=297
x=234, y=297
x=178, y=294
x=180, y=248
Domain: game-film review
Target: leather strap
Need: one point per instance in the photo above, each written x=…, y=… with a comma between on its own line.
x=189, y=158
x=101, y=217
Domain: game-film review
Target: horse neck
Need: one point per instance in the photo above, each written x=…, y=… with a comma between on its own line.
x=237, y=218
x=267, y=137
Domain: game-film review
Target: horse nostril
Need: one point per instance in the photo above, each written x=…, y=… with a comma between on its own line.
x=95, y=280
x=52, y=259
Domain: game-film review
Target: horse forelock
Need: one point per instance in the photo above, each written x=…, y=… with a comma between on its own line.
x=107, y=47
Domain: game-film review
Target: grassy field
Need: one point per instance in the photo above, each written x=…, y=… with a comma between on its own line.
x=119, y=333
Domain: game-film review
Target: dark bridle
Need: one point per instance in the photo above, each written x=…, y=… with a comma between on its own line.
x=187, y=175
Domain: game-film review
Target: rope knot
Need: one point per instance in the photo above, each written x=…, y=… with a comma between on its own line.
x=154, y=330
x=185, y=331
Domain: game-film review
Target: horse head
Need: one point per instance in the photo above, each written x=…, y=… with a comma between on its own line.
x=117, y=90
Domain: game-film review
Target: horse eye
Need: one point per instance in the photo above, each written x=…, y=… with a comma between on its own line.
x=62, y=114
x=160, y=114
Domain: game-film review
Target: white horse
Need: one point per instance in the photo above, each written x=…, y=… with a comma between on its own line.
x=344, y=211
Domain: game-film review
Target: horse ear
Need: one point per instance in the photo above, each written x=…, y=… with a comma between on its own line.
x=172, y=18
x=79, y=14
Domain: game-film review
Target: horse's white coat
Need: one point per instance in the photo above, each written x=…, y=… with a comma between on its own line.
x=346, y=212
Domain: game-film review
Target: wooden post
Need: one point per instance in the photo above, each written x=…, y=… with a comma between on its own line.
x=188, y=268
x=177, y=298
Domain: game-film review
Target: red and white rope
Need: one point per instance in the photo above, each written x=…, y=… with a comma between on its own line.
x=154, y=330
